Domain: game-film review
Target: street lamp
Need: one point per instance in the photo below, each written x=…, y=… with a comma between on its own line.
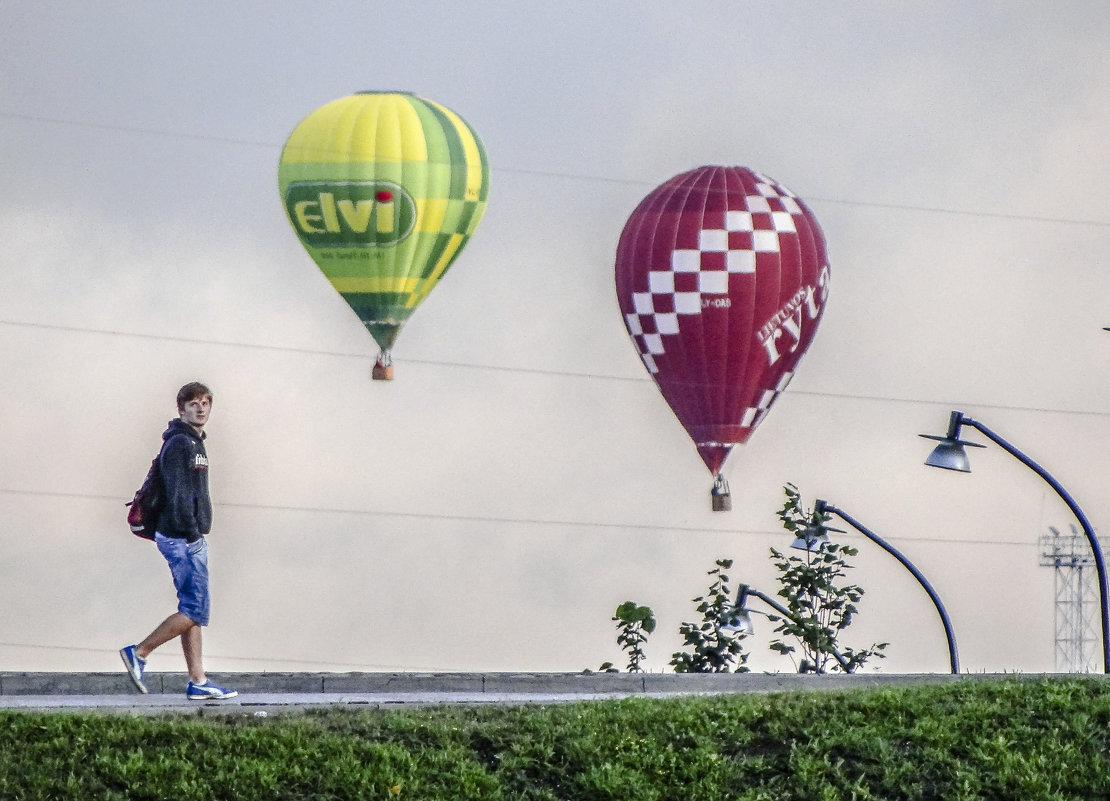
x=949, y=454
x=740, y=621
x=823, y=509
x=814, y=538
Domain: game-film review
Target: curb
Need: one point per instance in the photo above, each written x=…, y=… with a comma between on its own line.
x=118, y=683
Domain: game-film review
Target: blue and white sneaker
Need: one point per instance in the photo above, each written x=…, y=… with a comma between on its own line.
x=208, y=691
x=135, y=665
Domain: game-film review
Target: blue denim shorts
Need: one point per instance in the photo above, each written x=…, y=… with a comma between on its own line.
x=188, y=563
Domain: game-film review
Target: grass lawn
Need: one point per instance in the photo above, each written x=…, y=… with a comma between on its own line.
x=1024, y=739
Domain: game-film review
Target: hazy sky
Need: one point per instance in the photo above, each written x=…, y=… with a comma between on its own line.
x=522, y=476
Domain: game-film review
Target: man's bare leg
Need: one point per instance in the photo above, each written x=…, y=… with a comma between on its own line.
x=178, y=625
x=191, y=647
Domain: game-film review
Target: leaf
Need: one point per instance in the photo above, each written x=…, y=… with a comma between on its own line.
x=626, y=611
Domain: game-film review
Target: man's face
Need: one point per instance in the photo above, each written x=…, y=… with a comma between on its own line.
x=196, y=411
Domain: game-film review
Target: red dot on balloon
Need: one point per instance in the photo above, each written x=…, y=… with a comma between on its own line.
x=383, y=196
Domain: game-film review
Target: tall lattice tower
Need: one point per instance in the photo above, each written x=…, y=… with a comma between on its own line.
x=1077, y=599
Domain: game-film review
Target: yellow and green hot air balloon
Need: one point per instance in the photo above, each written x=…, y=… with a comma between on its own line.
x=384, y=189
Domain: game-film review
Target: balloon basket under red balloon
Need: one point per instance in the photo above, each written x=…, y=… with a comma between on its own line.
x=722, y=500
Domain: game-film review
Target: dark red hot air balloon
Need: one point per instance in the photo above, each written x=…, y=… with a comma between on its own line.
x=722, y=278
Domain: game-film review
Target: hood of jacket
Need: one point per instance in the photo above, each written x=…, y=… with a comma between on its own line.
x=179, y=426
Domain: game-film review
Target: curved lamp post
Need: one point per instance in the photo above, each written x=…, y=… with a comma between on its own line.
x=741, y=621
x=950, y=455
x=818, y=534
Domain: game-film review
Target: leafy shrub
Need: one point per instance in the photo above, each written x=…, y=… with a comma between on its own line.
x=713, y=647
x=821, y=606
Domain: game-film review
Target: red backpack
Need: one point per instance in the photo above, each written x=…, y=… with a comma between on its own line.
x=149, y=500
x=148, y=503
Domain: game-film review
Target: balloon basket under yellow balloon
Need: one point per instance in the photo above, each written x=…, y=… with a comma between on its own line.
x=383, y=366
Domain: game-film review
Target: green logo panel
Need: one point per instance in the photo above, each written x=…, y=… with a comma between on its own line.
x=350, y=213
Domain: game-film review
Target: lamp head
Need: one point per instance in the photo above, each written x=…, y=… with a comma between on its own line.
x=949, y=453
x=740, y=623
x=815, y=536
x=740, y=619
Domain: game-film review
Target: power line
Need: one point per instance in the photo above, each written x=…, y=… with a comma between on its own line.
x=962, y=212
x=314, y=351
x=136, y=130
x=516, y=521
x=953, y=404
x=185, y=340
x=532, y=370
x=567, y=175
x=265, y=659
x=520, y=521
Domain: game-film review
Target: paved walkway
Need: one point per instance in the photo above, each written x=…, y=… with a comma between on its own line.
x=263, y=694
x=264, y=704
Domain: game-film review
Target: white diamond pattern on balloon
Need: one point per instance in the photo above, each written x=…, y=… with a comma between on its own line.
x=758, y=228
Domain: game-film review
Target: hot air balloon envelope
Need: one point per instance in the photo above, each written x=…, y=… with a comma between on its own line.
x=722, y=278
x=383, y=189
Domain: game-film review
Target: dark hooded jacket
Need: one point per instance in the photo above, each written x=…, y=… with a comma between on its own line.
x=184, y=464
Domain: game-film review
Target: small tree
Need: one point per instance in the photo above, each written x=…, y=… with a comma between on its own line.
x=634, y=624
x=820, y=607
x=714, y=649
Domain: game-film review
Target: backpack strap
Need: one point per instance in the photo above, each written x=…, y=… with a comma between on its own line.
x=166, y=442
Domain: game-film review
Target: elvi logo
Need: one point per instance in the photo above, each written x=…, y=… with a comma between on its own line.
x=350, y=213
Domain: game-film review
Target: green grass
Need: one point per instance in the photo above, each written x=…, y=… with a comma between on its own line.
x=1025, y=739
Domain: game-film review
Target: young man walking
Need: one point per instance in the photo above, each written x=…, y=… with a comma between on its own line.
x=179, y=534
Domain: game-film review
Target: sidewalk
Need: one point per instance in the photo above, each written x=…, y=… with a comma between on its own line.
x=264, y=693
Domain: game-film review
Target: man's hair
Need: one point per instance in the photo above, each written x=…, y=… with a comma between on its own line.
x=192, y=391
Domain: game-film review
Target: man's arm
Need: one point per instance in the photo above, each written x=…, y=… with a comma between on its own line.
x=177, y=475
